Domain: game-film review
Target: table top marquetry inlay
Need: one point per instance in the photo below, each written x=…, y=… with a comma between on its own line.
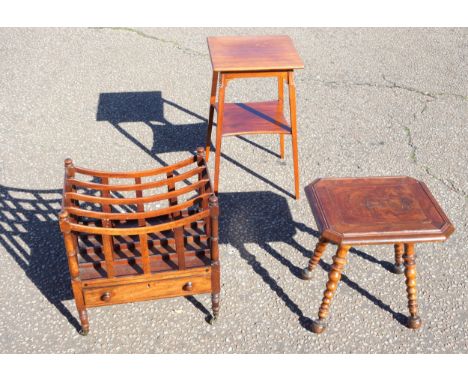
x=377, y=210
x=252, y=53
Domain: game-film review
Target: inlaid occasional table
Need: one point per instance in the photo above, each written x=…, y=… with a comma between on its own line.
x=235, y=57
x=376, y=210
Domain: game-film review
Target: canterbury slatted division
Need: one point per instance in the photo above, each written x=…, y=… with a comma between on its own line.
x=134, y=236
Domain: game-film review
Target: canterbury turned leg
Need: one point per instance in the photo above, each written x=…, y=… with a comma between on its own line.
x=219, y=131
x=214, y=86
x=414, y=322
x=399, y=267
x=314, y=260
x=339, y=261
x=281, y=105
x=292, y=106
x=215, y=267
x=71, y=250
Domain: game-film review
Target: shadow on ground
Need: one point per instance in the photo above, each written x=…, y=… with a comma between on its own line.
x=30, y=233
x=148, y=108
x=263, y=218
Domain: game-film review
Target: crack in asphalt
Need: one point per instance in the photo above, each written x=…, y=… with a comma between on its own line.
x=429, y=97
x=175, y=44
x=447, y=183
x=409, y=135
x=392, y=85
x=450, y=184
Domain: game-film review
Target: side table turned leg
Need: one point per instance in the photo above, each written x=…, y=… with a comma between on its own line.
x=399, y=267
x=414, y=322
x=339, y=261
x=314, y=260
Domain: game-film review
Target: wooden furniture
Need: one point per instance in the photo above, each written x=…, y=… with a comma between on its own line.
x=379, y=210
x=127, y=240
x=253, y=57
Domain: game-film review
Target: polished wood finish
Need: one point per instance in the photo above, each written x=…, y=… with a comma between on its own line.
x=334, y=277
x=253, y=57
x=414, y=322
x=253, y=53
x=314, y=260
x=254, y=118
x=148, y=290
x=376, y=210
x=399, y=267
x=142, y=240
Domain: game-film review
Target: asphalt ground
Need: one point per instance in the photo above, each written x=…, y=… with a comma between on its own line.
x=370, y=102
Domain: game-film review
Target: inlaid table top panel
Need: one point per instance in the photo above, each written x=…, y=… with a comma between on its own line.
x=253, y=53
x=377, y=210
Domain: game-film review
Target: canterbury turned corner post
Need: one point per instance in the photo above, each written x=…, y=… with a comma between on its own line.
x=235, y=57
x=215, y=274
x=163, y=244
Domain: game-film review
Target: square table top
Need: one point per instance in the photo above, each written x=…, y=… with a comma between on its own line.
x=253, y=53
x=377, y=210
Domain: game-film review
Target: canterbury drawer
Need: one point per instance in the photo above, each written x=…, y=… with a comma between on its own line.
x=148, y=290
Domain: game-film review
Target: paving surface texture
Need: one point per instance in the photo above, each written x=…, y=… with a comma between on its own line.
x=370, y=102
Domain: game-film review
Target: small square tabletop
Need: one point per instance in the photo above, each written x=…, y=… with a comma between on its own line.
x=253, y=53
x=377, y=210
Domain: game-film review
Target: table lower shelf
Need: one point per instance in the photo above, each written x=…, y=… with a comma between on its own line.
x=254, y=118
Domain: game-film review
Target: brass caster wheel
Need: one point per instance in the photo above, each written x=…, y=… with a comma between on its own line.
x=318, y=326
x=212, y=320
x=398, y=269
x=306, y=274
x=84, y=332
x=414, y=322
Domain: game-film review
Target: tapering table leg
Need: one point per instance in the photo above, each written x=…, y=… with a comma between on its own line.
x=281, y=104
x=414, y=322
x=214, y=87
x=339, y=261
x=314, y=260
x=219, y=131
x=292, y=112
x=399, y=267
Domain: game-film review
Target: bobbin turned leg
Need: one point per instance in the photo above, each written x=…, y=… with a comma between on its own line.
x=314, y=260
x=399, y=267
x=414, y=322
x=339, y=261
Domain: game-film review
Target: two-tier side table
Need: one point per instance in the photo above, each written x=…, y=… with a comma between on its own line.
x=375, y=210
x=249, y=57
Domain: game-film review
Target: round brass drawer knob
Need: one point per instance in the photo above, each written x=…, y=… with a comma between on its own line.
x=188, y=287
x=106, y=296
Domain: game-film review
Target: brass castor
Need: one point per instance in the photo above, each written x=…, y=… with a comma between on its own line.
x=306, y=274
x=398, y=269
x=414, y=322
x=318, y=326
x=84, y=332
x=212, y=320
